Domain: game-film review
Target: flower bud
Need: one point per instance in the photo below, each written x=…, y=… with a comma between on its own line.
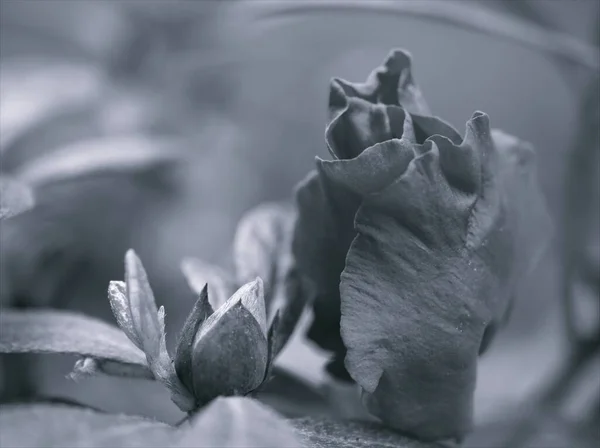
x=226, y=352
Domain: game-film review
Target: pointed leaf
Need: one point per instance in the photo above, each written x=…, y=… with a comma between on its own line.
x=262, y=236
x=183, y=355
x=199, y=273
x=119, y=304
x=144, y=312
x=65, y=332
x=237, y=422
x=15, y=197
x=45, y=425
x=148, y=323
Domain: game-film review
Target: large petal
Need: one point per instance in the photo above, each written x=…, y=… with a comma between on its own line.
x=416, y=294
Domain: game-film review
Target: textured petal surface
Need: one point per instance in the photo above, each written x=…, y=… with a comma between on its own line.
x=434, y=263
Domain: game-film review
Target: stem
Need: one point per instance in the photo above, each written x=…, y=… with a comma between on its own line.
x=465, y=16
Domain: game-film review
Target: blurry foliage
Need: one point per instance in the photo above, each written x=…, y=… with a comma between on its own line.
x=244, y=92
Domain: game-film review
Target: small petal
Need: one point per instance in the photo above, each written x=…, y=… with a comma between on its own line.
x=183, y=355
x=252, y=297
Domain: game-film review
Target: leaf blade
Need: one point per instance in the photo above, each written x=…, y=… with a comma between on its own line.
x=46, y=331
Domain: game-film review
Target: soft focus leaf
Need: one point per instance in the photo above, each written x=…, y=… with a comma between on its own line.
x=44, y=426
x=461, y=14
x=31, y=90
x=227, y=422
x=65, y=332
x=125, y=154
x=15, y=197
x=323, y=433
x=198, y=274
x=237, y=422
x=262, y=238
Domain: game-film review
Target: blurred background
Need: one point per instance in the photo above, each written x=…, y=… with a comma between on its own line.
x=243, y=94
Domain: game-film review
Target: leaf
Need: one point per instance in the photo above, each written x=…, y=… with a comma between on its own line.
x=119, y=305
x=199, y=273
x=148, y=323
x=142, y=306
x=44, y=425
x=121, y=154
x=263, y=236
x=37, y=331
x=323, y=433
x=15, y=197
x=33, y=90
x=237, y=422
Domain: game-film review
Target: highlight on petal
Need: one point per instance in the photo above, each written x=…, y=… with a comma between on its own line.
x=199, y=273
x=252, y=297
x=119, y=304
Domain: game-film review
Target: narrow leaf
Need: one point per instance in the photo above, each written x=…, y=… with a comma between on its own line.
x=237, y=422
x=65, y=332
x=198, y=273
